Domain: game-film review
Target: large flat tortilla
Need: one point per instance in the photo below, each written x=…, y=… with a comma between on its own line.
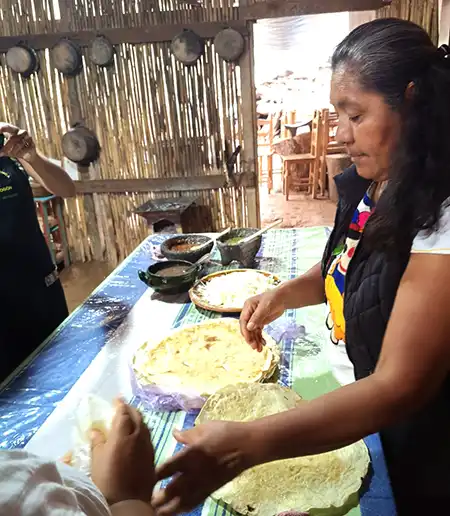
x=92, y=413
x=204, y=358
x=316, y=482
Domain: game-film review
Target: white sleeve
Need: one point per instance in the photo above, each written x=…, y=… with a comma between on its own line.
x=31, y=486
x=437, y=242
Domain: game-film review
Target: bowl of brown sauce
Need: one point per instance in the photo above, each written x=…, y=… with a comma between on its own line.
x=186, y=247
x=170, y=277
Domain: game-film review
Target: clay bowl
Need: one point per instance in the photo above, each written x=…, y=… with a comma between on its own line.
x=245, y=254
x=170, y=284
x=169, y=247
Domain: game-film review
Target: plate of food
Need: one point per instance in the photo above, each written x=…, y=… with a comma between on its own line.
x=313, y=484
x=226, y=291
x=193, y=362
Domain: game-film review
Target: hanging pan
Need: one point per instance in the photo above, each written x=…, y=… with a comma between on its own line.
x=187, y=47
x=67, y=58
x=101, y=51
x=81, y=145
x=22, y=59
x=229, y=45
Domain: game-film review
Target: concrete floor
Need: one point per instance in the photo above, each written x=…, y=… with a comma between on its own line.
x=300, y=211
x=80, y=279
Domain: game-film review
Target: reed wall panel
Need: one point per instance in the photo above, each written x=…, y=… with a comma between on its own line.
x=154, y=117
x=423, y=12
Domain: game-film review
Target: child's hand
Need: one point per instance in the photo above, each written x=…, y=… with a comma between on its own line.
x=123, y=462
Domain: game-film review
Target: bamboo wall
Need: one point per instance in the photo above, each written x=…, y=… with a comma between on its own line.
x=45, y=16
x=154, y=117
x=423, y=12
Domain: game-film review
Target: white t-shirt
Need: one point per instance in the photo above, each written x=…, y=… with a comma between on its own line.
x=437, y=242
x=31, y=486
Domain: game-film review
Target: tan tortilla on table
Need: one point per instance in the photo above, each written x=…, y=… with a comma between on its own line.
x=303, y=484
x=204, y=358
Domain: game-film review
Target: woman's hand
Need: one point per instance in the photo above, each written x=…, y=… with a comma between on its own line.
x=215, y=453
x=259, y=311
x=20, y=144
x=123, y=462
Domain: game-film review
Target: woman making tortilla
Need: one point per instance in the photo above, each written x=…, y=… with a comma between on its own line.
x=385, y=275
x=31, y=296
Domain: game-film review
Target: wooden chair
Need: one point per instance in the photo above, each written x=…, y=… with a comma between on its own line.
x=333, y=147
x=265, y=149
x=314, y=159
x=325, y=141
x=288, y=119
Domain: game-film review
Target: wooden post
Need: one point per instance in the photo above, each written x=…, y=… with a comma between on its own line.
x=84, y=173
x=325, y=140
x=336, y=163
x=76, y=115
x=444, y=22
x=249, y=151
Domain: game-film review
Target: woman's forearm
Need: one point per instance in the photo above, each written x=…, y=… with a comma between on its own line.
x=53, y=177
x=306, y=290
x=407, y=376
x=326, y=423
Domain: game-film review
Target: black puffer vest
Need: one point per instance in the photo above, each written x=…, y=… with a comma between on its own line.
x=418, y=449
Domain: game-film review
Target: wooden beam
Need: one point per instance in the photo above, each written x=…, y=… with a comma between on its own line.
x=279, y=8
x=175, y=184
x=249, y=160
x=133, y=35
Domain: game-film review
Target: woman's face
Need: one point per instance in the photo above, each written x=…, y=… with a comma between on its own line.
x=368, y=127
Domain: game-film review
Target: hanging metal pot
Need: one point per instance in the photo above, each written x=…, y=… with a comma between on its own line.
x=229, y=45
x=67, y=57
x=22, y=59
x=101, y=51
x=81, y=145
x=187, y=47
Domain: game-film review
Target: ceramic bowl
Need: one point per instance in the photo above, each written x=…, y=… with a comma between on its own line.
x=245, y=254
x=169, y=284
x=168, y=251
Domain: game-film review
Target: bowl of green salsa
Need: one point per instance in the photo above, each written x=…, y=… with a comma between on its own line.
x=232, y=249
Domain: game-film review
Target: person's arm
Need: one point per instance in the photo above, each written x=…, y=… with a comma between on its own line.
x=306, y=290
x=123, y=463
x=20, y=146
x=53, y=177
x=258, y=311
x=132, y=508
x=414, y=362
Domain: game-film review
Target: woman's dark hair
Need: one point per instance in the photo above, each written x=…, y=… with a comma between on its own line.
x=386, y=56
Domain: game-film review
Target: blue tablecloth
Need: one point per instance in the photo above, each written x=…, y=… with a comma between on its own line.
x=36, y=400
